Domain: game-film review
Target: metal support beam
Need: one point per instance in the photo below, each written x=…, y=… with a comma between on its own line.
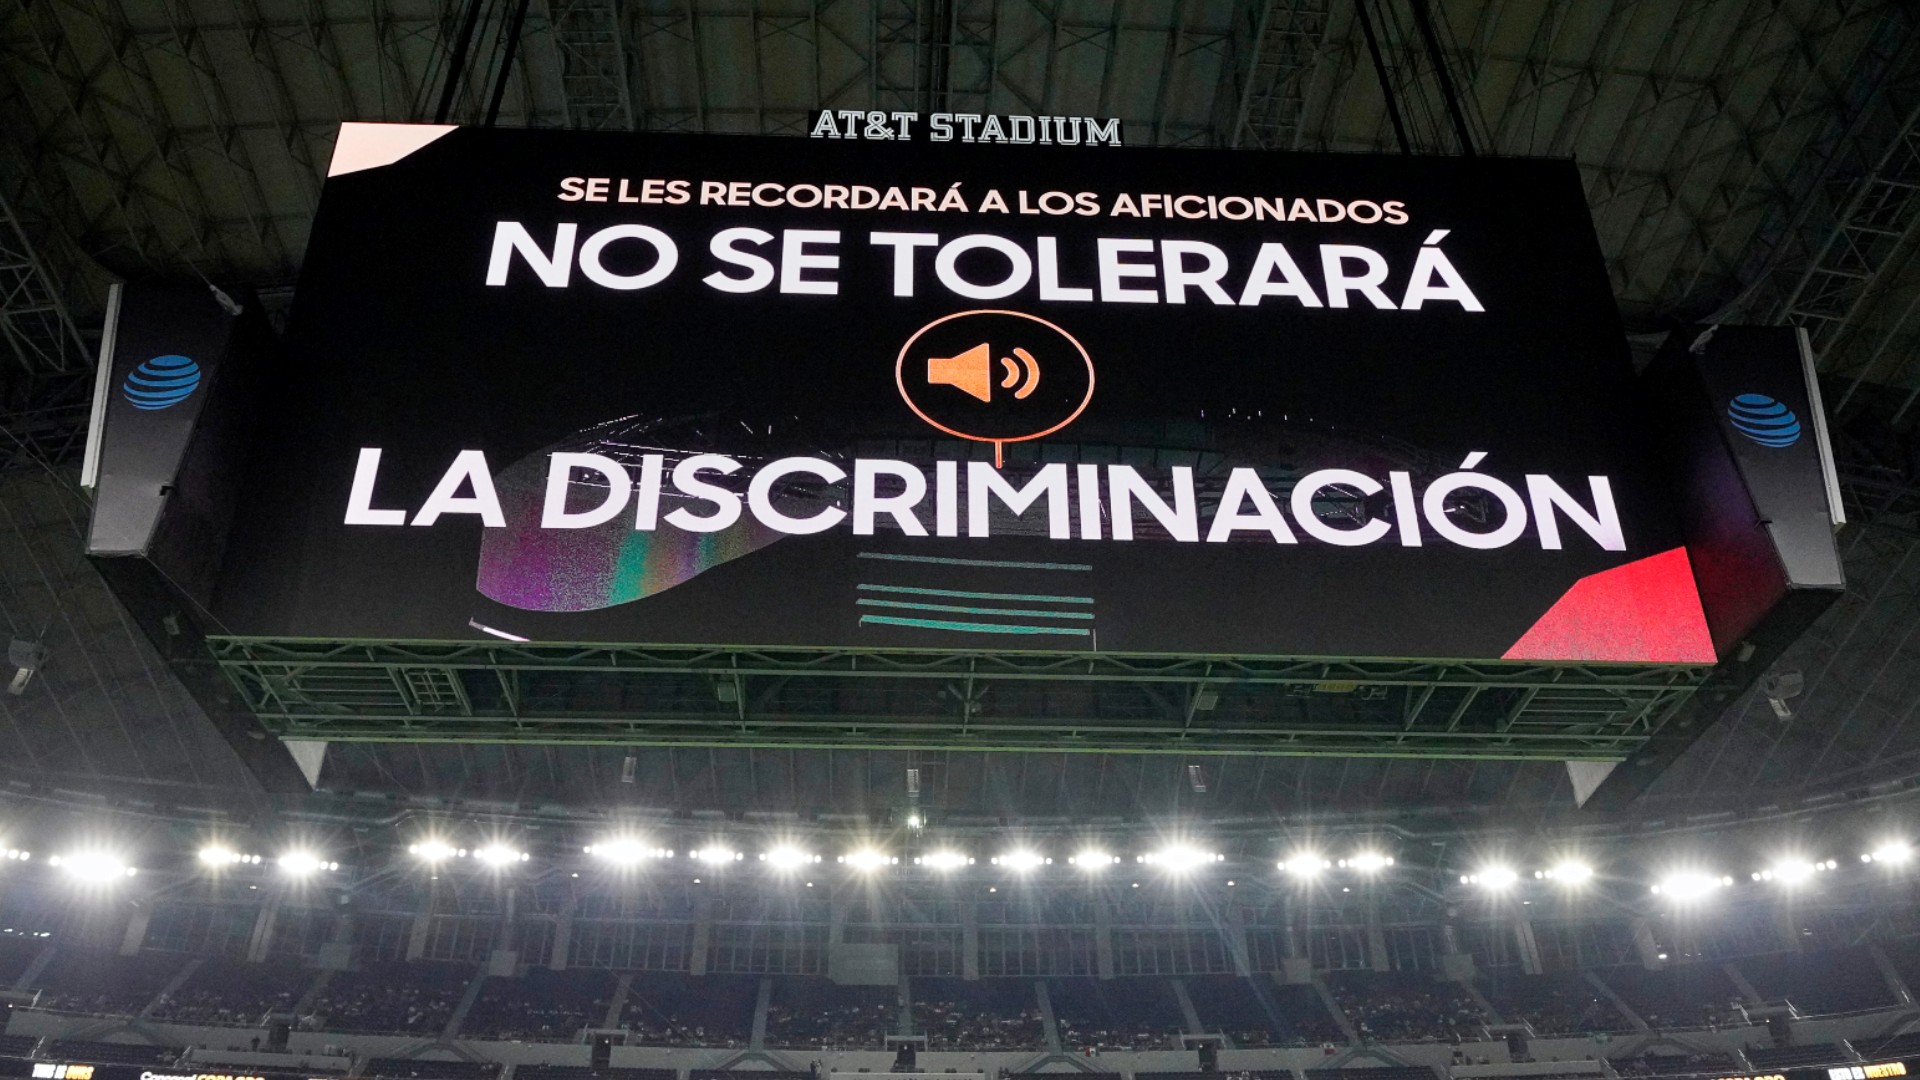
x=1273, y=92
x=590, y=35
x=33, y=318
x=1043, y=702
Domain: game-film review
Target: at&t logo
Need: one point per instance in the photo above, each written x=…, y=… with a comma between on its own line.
x=161, y=382
x=1764, y=420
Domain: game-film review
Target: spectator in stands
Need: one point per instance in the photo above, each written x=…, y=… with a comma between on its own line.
x=1562, y=1009
x=949, y=1026
x=1091, y=1039
x=1406, y=1012
x=220, y=1006
x=832, y=1027
x=420, y=1005
x=536, y=1009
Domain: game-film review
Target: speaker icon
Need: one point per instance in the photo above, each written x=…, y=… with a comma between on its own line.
x=971, y=372
x=1001, y=398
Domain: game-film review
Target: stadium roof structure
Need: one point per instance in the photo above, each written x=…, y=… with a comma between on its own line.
x=1745, y=160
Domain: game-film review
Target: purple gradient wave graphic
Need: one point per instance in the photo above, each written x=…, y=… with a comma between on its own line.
x=574, y=570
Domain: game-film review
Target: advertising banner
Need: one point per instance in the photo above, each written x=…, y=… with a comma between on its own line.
x=723, y=390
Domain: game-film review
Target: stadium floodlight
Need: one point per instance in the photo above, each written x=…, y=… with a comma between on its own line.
x=626, y=851
x=1891, y=853
x=305, y=863
x=1022, y=860
x=1305, y=865
x=1794, y=871
x=915, y=821
x=1367, y=862
x=788, y=857
x=1182, y=859
x=1690, y=885
x=715, y=855
x=943, y=860
x=1567, y=872
x=1093, y=860
x=1493, y=878
x=217, y=855
x=19, y=854
x=867, y=860
x=434, y=851
x=500, y=856
x=96, y=867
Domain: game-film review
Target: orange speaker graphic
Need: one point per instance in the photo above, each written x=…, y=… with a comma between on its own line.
x=1002, y=396
x=971, y=372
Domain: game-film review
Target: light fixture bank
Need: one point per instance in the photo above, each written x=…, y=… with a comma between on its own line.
x=1084, y=502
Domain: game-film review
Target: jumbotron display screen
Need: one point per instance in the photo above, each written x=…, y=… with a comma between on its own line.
x=726, y=390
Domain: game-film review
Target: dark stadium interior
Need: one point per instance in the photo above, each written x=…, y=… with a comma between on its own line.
x=239, y=855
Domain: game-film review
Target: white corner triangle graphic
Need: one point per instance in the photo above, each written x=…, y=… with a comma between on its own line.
x=369, y=146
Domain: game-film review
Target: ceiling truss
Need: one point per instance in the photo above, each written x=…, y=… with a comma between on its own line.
x=875, y=699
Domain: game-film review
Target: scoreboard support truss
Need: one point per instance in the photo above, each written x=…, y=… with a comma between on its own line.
x=874, y=699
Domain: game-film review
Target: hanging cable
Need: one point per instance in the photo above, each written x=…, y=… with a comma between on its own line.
x=458, y=65
x=506, y=62
x=1423, y=16
x=1380, y=71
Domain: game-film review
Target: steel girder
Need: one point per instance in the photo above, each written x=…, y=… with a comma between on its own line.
x=589, y=35
x=33, y=318
x=44, y=403
x=1272, y=99
x=666, y=696
x=1877, y=224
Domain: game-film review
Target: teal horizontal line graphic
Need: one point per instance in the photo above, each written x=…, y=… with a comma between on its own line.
x=1035, y=598
x=975, y=627
x=1001, y=563
x=976, y=610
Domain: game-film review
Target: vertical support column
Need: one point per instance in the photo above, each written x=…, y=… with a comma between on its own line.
x=337, y=953
x=1739, y=980
x=136, y=932
x=903, y=1024
x=102, y=926
x=1049, y=1024
x=422, y=927
x=618, y=1003
x=40, y=961
x=1296, y=967
x=1103, y=939
x=702, y=936
x=1237, y=950
x=969, y=942
x=1786, y=925
x=1594, y=980
x=838, y=911
x=505, y=938
x=757, y=1038
x=1529, y=946
x=1645, y=946
x=263, y=923
x=1456, y=965
x=1895, y=982
x=1377, y=956
x=563, y=938
x=1189, y=1015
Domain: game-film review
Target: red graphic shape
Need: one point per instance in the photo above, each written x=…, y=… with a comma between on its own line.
x=1647, y=612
